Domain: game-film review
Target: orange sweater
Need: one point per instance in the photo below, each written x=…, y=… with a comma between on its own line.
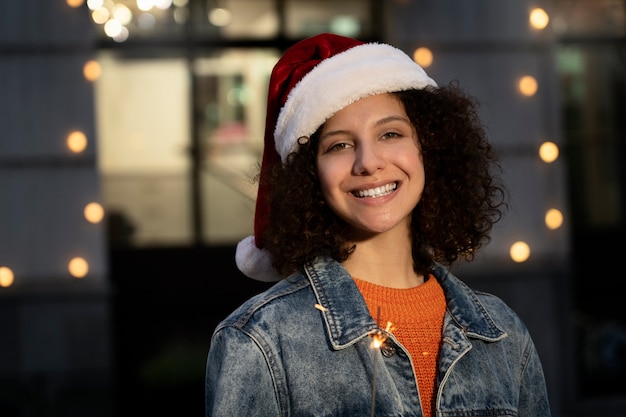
x=417, y=318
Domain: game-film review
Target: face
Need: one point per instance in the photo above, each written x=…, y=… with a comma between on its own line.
x=370, y=165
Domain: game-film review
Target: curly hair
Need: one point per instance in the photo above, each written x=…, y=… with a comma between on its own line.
x=462, y=198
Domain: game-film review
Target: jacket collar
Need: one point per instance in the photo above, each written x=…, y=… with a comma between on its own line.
x=347, y=318
x=463, y=305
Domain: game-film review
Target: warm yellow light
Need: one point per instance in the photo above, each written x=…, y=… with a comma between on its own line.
x=548, y=152
x=554, y=219
x=219, y=17
x=74, y=3
x=78, y=267
x=122, y=14
x=77, y=141
x=94, y=213
x=519, y=251
x=377, y=341
x=113, y=28
x=6, y=276
x=92, y=70
x=528, y=85
x=100, y=15
x=538, y=18
x=145, y=5
x=163, y=4
x=423, y=56
x=94, y=4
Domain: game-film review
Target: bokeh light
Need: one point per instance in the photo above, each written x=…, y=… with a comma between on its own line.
x=219, y=17
x=94, y=212
x=423, y=56
x=528, y=85
x=520, y=251
x=538, y=18
x=78, y=267
x=6, y=276
x=554, y=219
x=76, y=141
x=92, y=70
x=74, y=3
x=548, y=152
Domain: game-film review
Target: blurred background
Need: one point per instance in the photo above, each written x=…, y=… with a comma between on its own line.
x=130, y=129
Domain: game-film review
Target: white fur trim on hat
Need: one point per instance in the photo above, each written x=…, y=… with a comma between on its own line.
x=254, y=262
x=340, y=80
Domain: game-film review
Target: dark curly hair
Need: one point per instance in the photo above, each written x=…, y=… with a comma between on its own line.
x=462, y=198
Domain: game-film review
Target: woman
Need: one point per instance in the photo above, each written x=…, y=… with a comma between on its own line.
x=374, y=180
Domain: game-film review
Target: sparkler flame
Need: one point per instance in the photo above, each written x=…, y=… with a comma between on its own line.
x=379, y=337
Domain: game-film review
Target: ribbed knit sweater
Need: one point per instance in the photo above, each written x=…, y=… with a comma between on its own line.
x=417, y=318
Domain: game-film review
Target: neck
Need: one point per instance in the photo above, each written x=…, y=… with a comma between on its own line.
x=385, y=261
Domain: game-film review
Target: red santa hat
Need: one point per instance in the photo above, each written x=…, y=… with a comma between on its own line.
x=313, y=80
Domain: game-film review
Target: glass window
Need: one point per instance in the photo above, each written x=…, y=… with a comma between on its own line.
x=231, y=94
x=308, y=17
x=236, y=19
x=142, y=114
x=146, y=137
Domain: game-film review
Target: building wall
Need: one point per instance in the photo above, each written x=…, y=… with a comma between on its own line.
x=55, y=352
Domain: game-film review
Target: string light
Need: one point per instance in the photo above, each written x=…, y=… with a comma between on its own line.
x=92, y=70
x=554, y=219
x=77, y=141
x=219, y=17
x=6, y=276
x=527, y=85
x=548, y=152
x=94, y=213
x=423, y=56
x=539, y=18
x=100, y=15
x=78, y=267
x=520, y=251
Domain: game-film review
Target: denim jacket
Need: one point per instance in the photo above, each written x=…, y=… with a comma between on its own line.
x=303, y=348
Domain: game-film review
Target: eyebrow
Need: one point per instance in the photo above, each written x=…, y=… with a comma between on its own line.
x=392, y=119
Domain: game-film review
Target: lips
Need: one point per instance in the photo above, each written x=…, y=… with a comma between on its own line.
x=377, y=191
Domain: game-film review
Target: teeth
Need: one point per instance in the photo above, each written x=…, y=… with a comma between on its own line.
x=377, y=192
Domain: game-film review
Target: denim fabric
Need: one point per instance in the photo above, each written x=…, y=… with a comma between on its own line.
x=281, y=355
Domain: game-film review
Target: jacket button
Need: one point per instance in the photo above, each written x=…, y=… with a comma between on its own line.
x=388, y=350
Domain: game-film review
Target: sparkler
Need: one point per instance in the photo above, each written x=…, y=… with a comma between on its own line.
x=379, y=337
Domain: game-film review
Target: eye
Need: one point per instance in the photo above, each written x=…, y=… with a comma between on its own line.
x=339, y=146
x=391, y=135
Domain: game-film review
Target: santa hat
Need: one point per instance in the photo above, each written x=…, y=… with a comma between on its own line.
x=313, y=80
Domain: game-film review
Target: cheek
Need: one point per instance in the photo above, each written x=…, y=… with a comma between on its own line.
x=412, y=162
x=331, y=176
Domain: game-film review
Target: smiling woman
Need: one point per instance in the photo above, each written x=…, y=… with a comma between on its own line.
x=374, y=181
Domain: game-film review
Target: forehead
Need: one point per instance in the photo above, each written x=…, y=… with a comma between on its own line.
x=371, y=107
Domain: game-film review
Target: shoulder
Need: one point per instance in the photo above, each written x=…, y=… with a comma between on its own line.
x=478, y=311
x=500, y=311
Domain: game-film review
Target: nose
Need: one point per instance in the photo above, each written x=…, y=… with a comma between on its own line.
x=368, y=159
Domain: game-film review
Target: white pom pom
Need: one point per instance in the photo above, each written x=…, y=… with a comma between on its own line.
x=254, y=262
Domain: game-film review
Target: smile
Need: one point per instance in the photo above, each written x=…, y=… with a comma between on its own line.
x=376, y=192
